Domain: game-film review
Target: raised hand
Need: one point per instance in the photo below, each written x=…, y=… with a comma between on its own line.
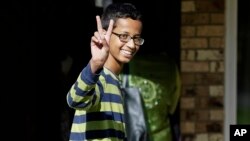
x=100, y=45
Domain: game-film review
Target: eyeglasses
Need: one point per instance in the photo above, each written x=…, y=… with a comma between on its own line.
x=126, y=38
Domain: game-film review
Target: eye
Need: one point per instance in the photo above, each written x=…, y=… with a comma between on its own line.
x=124, y=36
x=137, y=39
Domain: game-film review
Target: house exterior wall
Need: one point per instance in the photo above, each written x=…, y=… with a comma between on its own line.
x=202, y=70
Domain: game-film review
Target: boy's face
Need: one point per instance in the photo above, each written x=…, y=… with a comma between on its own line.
x=121, y=50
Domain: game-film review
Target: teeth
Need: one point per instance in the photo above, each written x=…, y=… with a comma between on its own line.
x=127, y=52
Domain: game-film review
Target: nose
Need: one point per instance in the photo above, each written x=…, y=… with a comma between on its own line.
x=131, y=43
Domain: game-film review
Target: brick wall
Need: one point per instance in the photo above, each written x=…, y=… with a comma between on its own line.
x=202, y=70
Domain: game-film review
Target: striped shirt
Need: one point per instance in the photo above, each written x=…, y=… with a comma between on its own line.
x=98, y=104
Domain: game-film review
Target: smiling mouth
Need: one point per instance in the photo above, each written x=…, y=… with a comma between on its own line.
x=127, y=53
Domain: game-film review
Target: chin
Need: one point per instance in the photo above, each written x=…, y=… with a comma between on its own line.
x=125, y=60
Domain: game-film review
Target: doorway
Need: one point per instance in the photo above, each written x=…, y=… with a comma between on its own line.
x=243, y=65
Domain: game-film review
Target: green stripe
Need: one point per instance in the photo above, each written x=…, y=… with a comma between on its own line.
x=103, y=107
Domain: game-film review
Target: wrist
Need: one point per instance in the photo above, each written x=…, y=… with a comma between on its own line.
x=96, y=67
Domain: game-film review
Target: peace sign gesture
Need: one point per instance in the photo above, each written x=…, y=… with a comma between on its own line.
x=100, y=45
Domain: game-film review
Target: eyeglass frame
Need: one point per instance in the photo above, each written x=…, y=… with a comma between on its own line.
x=129, y=38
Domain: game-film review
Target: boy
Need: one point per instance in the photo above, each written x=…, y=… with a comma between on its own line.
x=96, y=95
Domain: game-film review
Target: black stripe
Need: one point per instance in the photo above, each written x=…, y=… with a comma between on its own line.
x=99, y=116
x=104, y=134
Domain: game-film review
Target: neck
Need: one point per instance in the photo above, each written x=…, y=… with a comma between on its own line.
x=113, y=65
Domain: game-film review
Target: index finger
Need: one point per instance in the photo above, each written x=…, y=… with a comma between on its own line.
x=99, y=25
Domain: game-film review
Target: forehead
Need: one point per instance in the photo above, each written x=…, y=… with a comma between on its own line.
x=128, y=25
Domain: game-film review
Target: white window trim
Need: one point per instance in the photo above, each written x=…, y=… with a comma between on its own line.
x=230, y=98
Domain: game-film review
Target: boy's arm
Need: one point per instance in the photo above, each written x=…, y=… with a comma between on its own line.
x=84, y=93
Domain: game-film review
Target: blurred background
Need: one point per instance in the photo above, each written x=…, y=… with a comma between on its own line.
x=50, y=40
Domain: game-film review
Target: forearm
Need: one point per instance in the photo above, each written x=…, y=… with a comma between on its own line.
x=83, y=92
